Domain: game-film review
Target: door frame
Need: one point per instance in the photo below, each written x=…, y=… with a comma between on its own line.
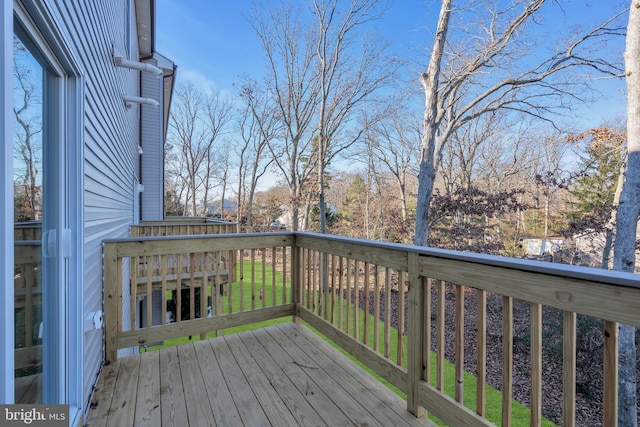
x=66, y=84
x=7, y=333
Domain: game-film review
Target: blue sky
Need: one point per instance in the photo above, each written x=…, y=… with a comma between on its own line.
x=212, y=40
x=213, y=44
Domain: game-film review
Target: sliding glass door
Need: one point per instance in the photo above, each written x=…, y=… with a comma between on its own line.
x=30, y=209
x=47, y=228
x=41, y=110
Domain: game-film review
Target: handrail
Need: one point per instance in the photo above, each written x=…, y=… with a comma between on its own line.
x=570, y=271
x=342, y=287
x=199, y=273
x=29, y=230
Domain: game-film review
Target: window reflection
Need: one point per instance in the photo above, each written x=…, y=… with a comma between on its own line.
x=27, y=188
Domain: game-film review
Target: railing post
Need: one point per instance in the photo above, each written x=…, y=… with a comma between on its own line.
x=111, y=301
x=296, y=278
x=415, y=335
x=610, y=390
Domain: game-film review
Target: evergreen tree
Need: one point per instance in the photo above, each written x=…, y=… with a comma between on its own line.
x=595, y=185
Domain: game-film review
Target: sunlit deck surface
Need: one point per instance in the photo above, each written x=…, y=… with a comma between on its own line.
x=283, y=375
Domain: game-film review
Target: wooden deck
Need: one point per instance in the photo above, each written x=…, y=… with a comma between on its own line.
x=29, y=389
x=283, y=375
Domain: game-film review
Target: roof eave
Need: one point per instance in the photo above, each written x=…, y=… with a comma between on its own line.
x=146, y=27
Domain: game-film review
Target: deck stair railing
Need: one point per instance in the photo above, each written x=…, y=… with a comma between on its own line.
x=388, y=306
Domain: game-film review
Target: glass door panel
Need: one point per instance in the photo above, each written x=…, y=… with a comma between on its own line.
x=29, y=168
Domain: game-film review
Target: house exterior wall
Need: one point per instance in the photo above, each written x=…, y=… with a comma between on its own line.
x=152, y=141
x=100, y=137
x=111, y=138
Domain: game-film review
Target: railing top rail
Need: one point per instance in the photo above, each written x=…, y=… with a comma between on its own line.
x=570, y=271
x=185, y=220
x=197, y=237
x=28, y=224
x=161, y=245
x=27, y=243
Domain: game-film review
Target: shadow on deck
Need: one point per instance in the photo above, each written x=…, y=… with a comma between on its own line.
x=280, y=375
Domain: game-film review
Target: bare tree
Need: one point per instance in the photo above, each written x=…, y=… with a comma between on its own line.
x=186, y=138
x=624, y=256
x=349, y=74
x=493, y=72
x=27, y=144
x=175, y=182
x=216, y=117
x=198, y=120
x=461, y=159
x=509, y=162
x=393, y=143
x=549, y=175
x=258, y=125
x=222, y=173
x=290, y=52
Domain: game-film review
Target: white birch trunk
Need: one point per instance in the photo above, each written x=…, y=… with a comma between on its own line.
x=627, y=219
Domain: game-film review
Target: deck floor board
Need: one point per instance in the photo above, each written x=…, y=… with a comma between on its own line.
x=387, y=407
x=199, y=409
x=219, y=396
x=271, y=402
x=245, y=400
x=173, y=407
x=283, y=375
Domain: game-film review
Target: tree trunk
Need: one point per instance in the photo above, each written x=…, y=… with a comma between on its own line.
x=207, y=181
x=627, y=219
x=547, y=213
x=429, y=155
x=194, y=200
x=403, y=197
x=607, y=258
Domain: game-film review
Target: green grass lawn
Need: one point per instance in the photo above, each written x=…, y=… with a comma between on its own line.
x=248, y=295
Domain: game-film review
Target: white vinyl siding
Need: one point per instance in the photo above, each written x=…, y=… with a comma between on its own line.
x=111, y=138
x=151, y=135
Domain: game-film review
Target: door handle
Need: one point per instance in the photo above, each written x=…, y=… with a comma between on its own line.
x=50, y=241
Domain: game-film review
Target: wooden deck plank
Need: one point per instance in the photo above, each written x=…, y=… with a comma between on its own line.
x=351, y=374
x=356, y=399
x=280, y=375
x=123, y=405
x=103, y=395
x=275, y=408
x=224, y=409
x=148, y=397
x=173, y=407
x=251, y=413
x=27, y=388
x=199, y=410
x=297, y=387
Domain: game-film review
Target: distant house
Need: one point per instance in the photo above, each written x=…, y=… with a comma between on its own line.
x=105, y=94
x=540, y=247
x=215, y=209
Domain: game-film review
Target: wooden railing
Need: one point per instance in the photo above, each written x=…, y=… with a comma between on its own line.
x=386, y=304
x=28, y=292
x=187, y=226
x=31, y=230
x=194, y=276
x=182, y=226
